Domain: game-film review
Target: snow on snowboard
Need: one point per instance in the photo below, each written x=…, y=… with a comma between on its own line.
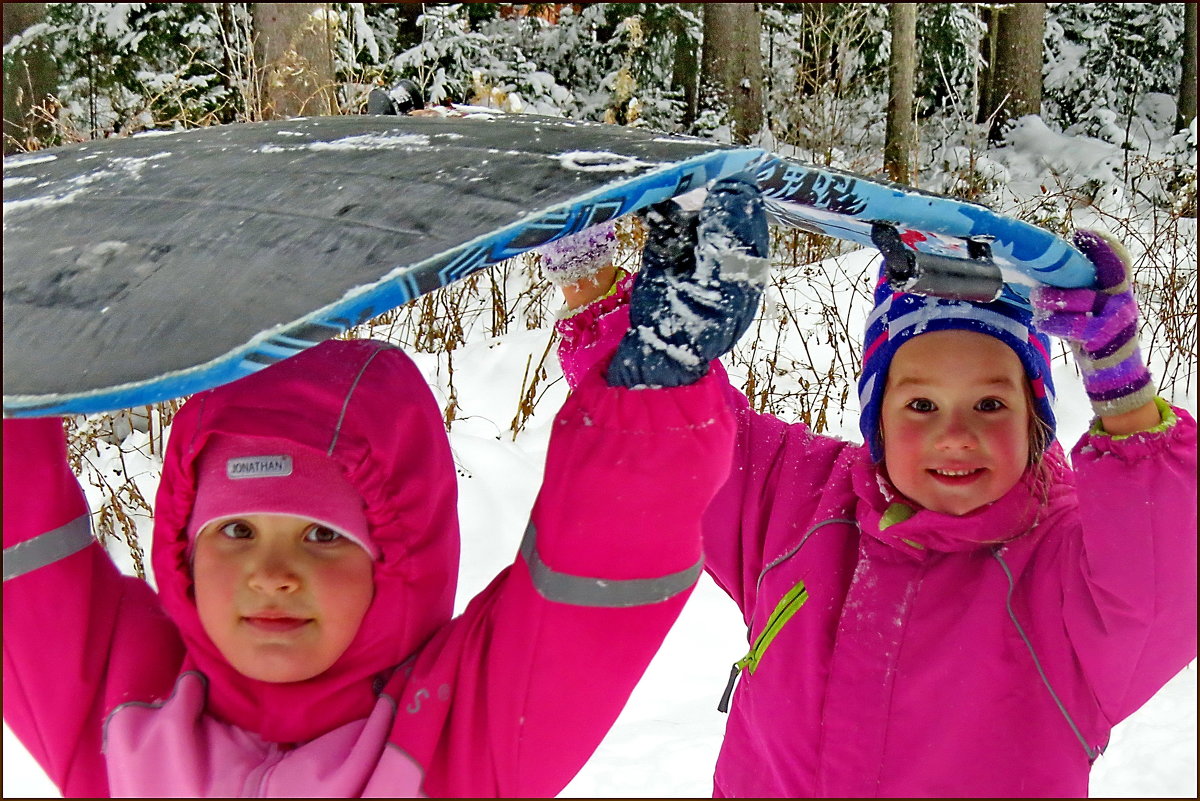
x=142, y=269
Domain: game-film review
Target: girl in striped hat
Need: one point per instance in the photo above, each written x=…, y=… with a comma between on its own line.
x=951, y=608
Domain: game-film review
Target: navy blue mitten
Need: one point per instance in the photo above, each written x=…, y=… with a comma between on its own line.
x=698, y=288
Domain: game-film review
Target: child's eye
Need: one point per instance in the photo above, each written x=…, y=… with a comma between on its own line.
x=990, y=405
x=921, y=405
x=237, y=530
x=321, y=534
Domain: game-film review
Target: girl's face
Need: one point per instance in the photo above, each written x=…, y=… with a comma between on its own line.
x=280, y=596
x=955, y=420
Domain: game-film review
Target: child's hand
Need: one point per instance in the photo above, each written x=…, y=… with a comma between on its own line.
x=1101, y=324
x=581, y=265
x=698, y=288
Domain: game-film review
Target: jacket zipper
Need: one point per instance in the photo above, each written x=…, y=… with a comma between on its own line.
x=787, y=606
x=1092, y=753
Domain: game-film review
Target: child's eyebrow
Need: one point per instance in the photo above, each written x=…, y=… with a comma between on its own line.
x=1002, y=381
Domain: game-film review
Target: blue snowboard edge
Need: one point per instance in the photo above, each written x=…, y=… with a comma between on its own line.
x=402, y=285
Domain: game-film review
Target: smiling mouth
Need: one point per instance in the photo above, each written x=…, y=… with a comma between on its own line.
x=957, y=475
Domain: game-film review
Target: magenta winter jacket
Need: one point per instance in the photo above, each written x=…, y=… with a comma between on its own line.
x=982, y=655
x=116, y=690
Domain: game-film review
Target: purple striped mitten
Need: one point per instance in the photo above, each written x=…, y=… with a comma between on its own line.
x=578, y=256
x=1101, y=323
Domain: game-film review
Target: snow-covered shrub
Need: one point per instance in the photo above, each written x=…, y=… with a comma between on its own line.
x=949, y=56
x=826, y=77
x=125, y=67
x=602, y=61
x=1102, y=58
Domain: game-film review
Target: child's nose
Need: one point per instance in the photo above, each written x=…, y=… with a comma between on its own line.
x=956, y=434
x=274, y=573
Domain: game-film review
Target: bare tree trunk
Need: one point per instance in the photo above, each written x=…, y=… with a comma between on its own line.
x=28, y=85
x=987, y=73
x=1017, y=75
x=685, y=73
x=1187, y=82
x=901, y=139
x=293, y=48
x=731, y=68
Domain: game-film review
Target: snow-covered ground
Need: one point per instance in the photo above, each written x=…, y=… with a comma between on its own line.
x=666, y=741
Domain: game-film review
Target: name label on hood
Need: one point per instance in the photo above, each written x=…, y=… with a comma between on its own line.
x=259, y=466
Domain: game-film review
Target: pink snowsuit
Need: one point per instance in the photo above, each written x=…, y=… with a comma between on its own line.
x=982, y=655
x=116, y=689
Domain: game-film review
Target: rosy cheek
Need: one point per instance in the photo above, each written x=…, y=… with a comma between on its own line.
x=1011, y=440
x=214, y=582
x=901, y=439
x=1009, y=452
x=902, y=443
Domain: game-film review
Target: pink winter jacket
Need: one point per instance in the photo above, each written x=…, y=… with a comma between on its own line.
x=982, y=655
x=116, y=690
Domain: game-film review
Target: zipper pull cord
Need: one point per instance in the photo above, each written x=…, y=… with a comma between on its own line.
x=737, y=668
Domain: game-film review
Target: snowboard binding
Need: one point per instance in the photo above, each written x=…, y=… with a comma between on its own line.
x=975, y=278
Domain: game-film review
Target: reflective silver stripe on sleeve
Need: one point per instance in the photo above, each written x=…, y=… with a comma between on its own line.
x=585, y=591
x=48, y=548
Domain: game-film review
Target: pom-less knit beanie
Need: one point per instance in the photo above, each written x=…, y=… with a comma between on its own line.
x=900, y=316
x=248, y=475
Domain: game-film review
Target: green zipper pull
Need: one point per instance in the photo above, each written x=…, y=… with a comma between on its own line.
x=787, y=606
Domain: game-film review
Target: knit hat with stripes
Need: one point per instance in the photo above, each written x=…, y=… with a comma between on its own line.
x=900, y=316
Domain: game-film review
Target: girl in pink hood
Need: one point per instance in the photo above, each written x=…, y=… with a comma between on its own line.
x=949, y=609
x=300, y=641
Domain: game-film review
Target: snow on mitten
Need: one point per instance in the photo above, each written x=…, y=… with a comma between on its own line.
x=1101, y=324
x=698, y=288
x=569, y=260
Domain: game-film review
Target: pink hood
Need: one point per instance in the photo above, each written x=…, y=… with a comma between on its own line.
x=364, y=404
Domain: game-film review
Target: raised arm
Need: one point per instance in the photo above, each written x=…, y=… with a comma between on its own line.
x=613, y=547
x=598, y=316
x=1130, y=591
x=78, y=636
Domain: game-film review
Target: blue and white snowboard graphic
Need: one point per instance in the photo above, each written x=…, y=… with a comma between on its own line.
x=143, y=269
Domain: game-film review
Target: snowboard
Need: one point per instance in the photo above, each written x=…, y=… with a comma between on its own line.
x=931, y=244
x=142, y=269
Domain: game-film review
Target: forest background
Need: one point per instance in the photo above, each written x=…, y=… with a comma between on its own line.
x=1060, y=114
